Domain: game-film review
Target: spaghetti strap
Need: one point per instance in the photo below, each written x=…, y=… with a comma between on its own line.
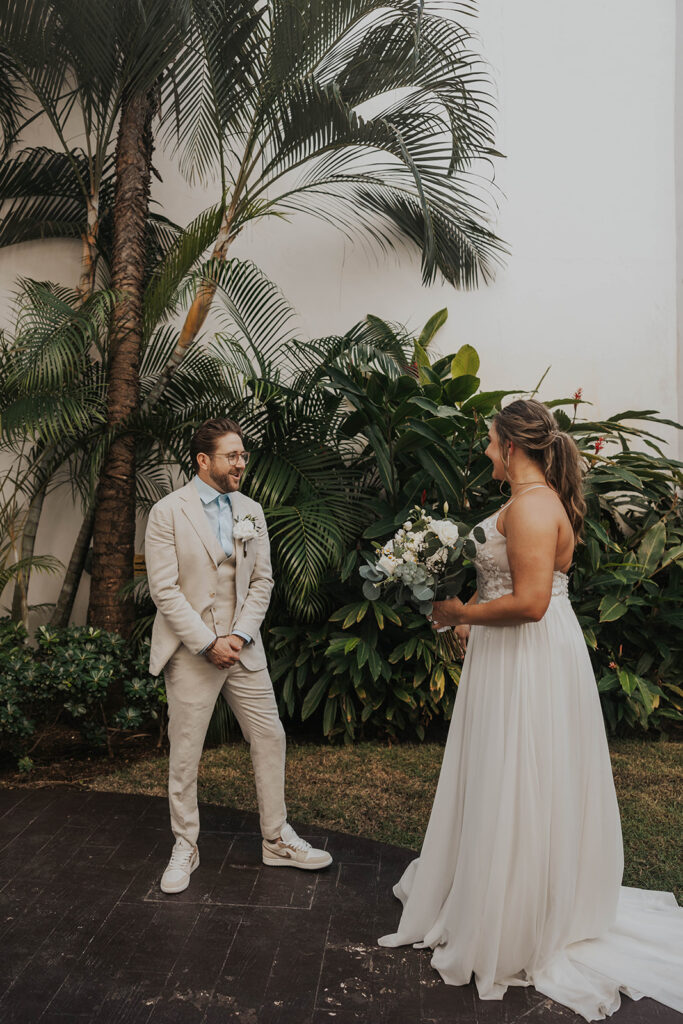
x=510, y=500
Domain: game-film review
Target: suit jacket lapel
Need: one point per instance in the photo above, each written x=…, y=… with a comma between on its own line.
x=241, y=584
x=194, y=510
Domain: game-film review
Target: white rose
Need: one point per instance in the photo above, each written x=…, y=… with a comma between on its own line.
x=446, y=531
x=407, y=525
x=244, y=528
x=409, y=556
x=387, y=564
x=417, y=539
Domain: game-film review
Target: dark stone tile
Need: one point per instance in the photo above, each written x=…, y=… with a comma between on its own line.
x=396, y=991
x=37, y=985
x=181, y=1006
x=205, y=950
x=284, y=887
x=641, y=1011
x=363, y=1015
x=444, y=1002
x=244, y=976
x=26, y=812
x=17, y=854
x=292, y=988
x=11, y=798
x=87, y=936
x=131, y=999
x=351, y=850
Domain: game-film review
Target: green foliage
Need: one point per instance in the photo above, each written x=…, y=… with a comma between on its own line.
x=369, y=670
x=419, y=432
x=627, y=588
x=68, y=678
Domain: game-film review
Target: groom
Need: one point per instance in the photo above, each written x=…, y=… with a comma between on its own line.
x=208, y=565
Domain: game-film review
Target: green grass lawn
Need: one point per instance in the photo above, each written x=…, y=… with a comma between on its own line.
x=386, y=793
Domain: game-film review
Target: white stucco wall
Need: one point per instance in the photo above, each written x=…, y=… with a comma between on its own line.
x=586, y=96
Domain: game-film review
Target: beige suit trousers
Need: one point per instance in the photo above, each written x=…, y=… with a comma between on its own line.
x=193, y=685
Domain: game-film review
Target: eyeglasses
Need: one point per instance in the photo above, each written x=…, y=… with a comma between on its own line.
x=232, y=457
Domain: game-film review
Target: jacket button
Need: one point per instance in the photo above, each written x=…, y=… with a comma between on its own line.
x=212, y=594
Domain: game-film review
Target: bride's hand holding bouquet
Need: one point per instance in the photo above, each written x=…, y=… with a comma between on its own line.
x=423, y=564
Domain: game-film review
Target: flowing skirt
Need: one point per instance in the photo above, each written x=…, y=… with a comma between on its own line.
x=519, y=877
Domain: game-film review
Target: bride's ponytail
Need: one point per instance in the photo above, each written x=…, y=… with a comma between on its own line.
x=533, y=428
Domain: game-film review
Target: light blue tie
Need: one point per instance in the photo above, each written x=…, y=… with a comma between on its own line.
x=225, y=523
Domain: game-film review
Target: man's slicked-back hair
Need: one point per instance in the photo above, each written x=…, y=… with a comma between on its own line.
x=206, y=437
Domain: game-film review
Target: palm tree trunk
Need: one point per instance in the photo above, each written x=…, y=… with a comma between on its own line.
x=86, y=284
x=28, y=543
x=114, y=525
x=67, y=595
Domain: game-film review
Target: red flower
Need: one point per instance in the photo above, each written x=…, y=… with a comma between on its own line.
x=613, y=664
x=423, y=498
x=578, y=394
x=599, y=445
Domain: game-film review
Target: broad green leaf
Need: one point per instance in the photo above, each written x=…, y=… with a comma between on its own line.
x=466, y=361
x=374, y=662
x=611, y=608
x=461, y=388
x=440, y=473
x=330, y=714
x=651, y=547
x=434, y=323
x=486, y=401
x=674, y=554
x=628, y=680
x=313, y=698
x=590, y=638
x=423, y=362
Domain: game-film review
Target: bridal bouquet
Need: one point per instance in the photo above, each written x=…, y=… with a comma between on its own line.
x=422, y=563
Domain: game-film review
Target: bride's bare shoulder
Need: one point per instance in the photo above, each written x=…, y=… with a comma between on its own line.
x=540, y=507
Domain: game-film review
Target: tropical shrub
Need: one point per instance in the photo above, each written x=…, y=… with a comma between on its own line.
x=419, y=432
x=369, y=668
x=627, y=587
x=69, y=677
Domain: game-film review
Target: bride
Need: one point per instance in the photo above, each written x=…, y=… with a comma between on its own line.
x=519, y=877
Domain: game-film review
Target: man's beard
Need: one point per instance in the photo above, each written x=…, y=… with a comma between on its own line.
x=222, y=479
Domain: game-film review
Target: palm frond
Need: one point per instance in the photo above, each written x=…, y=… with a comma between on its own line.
x=307, y=543
x=212, y=89
x=13, y=101
x=253, y=309
x=162, y=292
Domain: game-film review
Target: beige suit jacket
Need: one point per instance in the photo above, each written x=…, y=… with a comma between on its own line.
x=182, y=555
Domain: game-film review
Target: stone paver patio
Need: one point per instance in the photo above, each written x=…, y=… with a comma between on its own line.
x=88, y=938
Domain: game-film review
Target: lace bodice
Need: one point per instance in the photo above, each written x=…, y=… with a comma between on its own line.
x=493, y=569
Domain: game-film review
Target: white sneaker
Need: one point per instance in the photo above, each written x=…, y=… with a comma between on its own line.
x=289, y=851
x=184, y=859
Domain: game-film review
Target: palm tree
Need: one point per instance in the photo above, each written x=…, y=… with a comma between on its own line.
x=273, y=98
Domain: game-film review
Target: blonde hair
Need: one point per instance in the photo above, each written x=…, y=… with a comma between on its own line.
x=533, y=428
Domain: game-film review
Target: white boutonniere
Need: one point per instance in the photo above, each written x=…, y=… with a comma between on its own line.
x=244, y=529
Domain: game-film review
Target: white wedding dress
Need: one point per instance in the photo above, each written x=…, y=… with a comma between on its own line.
x=519, y=877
